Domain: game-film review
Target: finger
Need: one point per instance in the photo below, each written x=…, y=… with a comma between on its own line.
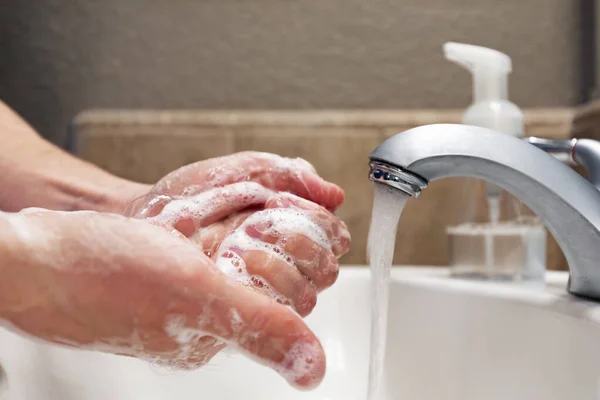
x=270, y=272
x=300, y=243
x=335, y=229
x=210, y=237
x=266, y=331
x=315, y=262
x=274, y=172
x=190, y=214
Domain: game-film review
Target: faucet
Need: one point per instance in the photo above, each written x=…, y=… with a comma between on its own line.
x=567, y=204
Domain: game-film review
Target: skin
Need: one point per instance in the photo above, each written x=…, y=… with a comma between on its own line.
x=38, y=174
x=149, y=285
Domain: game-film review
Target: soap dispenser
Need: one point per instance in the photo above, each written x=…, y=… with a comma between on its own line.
x=490, y=69
x=513, y=249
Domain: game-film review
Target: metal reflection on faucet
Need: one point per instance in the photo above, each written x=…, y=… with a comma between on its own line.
x=567, y=203
x=396, y=177
x=560, y=149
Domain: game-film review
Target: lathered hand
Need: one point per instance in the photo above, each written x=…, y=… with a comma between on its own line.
x=124, y=286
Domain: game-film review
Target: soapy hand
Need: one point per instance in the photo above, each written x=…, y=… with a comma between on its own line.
x=271, y=171
x=287, y=250
x=280, y=245
x=239, y=211
x=124, y=286
x=208, y=200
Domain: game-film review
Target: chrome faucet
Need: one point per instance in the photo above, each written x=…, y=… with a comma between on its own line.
x=568, y=204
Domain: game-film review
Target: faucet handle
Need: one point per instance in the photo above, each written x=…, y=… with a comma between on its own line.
x=560, y=149
x=583, y=152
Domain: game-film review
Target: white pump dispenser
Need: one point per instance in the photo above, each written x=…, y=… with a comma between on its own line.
x=469, y=242
x=491, y=107
x=490, y=69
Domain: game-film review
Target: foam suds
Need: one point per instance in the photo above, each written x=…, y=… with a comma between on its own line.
x=298, y=363
x=286, y=162
x=177, y=330
x=279, y=222
x=301, y=361
x=206, y=204
x=236, y=321
x=147, y=203
x=387, y=207
x=243, y=167
x=187, y=338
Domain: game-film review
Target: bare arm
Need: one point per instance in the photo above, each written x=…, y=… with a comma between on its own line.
x=36, y=173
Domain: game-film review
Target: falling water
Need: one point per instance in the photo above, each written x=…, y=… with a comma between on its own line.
x=387, y=207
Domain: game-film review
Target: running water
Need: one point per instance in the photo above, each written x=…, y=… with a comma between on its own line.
x=387, y=207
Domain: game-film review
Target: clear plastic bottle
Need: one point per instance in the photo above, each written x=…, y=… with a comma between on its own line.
x=492, y=109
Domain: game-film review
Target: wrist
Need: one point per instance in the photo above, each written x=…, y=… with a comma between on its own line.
x=111, y=194
x=42, y=175
x=36, y=173
x=96, y=190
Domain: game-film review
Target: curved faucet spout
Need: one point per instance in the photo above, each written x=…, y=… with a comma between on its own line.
x=567, y=203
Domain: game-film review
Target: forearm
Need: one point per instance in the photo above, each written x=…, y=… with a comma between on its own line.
x=35, y=173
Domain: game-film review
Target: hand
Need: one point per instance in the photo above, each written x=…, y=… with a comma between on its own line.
x=287, y=250
x=123, y=286
x=271, y=171
x=268, y=172
x=290, y=266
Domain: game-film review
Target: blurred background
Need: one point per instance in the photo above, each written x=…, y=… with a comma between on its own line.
x=59, y=57
x=232, y=75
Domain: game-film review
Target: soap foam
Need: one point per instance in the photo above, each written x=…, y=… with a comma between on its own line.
x=187, y=338
x=204, y=205
x=299, y=362
x=244, y=167
x=281, y=222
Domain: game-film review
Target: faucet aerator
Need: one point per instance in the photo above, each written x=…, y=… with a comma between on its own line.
x=397, y=178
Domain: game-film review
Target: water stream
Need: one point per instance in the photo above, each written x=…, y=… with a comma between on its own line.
x=387, y=207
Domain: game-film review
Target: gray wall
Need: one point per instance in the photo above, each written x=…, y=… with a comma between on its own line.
x=60, y=57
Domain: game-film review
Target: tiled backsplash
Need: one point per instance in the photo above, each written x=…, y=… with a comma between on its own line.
x=145, y=145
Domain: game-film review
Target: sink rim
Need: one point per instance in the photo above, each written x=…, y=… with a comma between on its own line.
x=551, y=297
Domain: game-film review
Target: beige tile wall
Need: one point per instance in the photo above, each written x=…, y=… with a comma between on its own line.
x=145, y=145
x=252, y=54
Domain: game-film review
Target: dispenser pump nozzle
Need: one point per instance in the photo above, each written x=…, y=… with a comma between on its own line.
x=491, y=107
x=490, y=69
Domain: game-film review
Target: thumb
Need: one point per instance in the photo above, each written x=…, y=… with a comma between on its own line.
x=265, y=331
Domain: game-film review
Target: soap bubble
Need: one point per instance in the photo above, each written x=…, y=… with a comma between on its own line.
x=148, y=205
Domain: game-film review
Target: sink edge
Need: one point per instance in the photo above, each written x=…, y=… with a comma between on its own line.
x=551, y=297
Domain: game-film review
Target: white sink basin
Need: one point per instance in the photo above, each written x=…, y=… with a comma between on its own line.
x=448, y=340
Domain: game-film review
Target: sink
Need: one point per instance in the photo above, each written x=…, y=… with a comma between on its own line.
x=448, y=339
